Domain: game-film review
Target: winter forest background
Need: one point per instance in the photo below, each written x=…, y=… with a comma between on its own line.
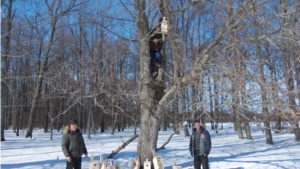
x=224, y=61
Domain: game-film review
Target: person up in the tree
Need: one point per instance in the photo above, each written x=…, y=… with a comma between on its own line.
x=156, y=44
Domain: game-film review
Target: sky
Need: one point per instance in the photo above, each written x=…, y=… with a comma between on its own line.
x=228, y=152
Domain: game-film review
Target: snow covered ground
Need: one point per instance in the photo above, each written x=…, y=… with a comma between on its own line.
x=228, y=152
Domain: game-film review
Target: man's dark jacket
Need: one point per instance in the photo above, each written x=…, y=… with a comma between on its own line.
x=205, y=142
x=156, y=35
x=73, y=143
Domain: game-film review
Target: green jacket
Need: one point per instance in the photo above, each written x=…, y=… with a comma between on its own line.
x=73, y=143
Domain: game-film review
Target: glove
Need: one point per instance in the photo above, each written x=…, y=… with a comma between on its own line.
x=192, y=154
x=206, y=153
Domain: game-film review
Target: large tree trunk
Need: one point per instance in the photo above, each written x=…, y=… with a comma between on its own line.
x=150, y=91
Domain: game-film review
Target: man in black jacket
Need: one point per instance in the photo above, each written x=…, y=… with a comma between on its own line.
x=73, y=145
x=200, y=145
x=155, y=48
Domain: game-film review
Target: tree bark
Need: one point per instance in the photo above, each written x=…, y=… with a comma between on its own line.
x=114, y=123
x=5, y=65
x=248, y=130
x=150, y=92
x=90, y=116
x=238, y=125
x=102, y=124
x=50, y=116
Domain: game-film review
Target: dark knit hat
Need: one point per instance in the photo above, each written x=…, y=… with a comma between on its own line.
x=73, y=122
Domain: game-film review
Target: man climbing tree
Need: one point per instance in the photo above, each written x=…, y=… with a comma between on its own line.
x=155, y=48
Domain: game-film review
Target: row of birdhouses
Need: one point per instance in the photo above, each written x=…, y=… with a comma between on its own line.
x=102, y=165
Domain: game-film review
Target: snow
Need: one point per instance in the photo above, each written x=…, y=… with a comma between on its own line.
x=228, y=152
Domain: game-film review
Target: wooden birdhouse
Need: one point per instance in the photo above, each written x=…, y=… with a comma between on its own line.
x=164, y=28
x=105, y=165
x=164, y=25
x=93, y=164
x=147, y=164
x=135, y=164
x=116, y=166
x=158, y=163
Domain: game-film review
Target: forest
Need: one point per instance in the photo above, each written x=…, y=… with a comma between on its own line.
x=222, y=61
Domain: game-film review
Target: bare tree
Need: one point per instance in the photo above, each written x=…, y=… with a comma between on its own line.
x=151, y=103
x=56, y=11
x=5, y=61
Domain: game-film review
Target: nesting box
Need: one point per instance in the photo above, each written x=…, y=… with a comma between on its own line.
x=164, y=25
x=94, y=165
x=158, y=163
x=147, y=164
x=116, y=166
x=176, y=167
x=105, y=165
x=135, y=164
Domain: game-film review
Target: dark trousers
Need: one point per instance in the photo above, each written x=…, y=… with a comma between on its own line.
x=200, y=160
x=155, y=57
x=75, y=163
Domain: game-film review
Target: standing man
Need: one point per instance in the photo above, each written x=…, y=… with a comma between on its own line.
x=200, y=145
x=73, y=145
